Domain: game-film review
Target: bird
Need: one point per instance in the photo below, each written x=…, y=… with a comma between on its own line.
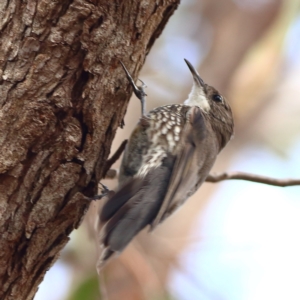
x=167, y=158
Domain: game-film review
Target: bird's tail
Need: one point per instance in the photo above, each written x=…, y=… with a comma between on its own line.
x=132, y=208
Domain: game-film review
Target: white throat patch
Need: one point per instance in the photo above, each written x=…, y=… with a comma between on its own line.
x=197, y=98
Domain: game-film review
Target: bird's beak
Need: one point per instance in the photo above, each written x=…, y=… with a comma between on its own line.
x=197, y=79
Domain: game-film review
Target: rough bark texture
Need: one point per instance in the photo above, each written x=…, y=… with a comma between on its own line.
x=63, y=94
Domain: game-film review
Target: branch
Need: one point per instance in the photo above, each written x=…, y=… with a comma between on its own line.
x=253, y=178
x=112, y=160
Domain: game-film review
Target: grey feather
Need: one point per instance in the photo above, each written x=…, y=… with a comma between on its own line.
x=138, y=211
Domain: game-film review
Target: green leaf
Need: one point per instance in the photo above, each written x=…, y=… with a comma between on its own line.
x=87, y=290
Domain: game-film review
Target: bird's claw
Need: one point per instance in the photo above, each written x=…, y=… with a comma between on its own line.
x=105, y=191
x=143, y=86
x=138, y=90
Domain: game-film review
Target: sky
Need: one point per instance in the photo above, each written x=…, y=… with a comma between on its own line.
x=247, y=242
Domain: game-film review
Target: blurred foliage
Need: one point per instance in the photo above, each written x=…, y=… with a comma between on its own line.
x=87, y=290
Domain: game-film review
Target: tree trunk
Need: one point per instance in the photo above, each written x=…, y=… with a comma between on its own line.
x=63, y=95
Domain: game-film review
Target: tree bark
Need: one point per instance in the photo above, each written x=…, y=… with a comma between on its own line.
x=63, y=95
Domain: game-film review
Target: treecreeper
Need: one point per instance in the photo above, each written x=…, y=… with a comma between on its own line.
x=168, y=156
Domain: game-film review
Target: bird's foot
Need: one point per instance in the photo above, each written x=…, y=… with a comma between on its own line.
x=139, y=91
x=105, y=192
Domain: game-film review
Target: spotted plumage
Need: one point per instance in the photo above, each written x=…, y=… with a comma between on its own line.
x=163, y=134
x=168, y=156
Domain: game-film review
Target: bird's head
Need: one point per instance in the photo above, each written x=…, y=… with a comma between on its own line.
x=212, y=103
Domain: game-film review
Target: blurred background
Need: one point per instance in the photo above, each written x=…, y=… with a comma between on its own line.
x=233, y=240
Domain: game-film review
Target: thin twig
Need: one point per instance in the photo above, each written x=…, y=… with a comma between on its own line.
x=114, y=158
x=252, y=177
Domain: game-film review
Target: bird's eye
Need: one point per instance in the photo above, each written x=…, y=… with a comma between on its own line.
x=217, y=98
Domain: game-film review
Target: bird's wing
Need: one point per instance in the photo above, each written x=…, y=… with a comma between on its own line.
x=132, y=208
x=184, y=174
